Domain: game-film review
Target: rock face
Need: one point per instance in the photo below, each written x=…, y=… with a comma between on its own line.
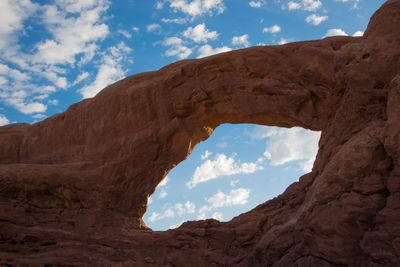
x=74, y=187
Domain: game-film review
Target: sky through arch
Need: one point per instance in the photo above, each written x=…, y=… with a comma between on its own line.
x=239, y=167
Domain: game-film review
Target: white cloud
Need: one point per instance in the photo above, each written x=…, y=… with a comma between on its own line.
x=335, y=32
x=109, y=71
x=272, y=29
x=135, y=29
x=220, y=166
x=257, y=4
x=200, y=34
x=71, y=30
x=294, y=5
x=287, y=145
x=207, y=50
x=168, y=213
x=72, y=35
x=12, y=15
x=311, y=5
x=187, y=208
x=242, y=40
x=197, y=7
x=206, y=155
x=176, y=20
x=27, y=108
x=315, y=19
x=358, y=34
x=153, y=27
x=238, y=196
x=176, y=48
x=126, y=34
x=308, y=5
x=3, y=120
x=163, y=194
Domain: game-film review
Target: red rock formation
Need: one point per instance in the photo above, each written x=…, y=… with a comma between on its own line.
x=73, y=188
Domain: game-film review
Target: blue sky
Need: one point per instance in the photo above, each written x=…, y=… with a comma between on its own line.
x=55, y=53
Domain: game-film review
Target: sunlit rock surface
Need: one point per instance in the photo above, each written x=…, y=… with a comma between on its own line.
x=74, y=187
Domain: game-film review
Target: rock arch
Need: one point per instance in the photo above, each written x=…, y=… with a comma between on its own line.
x=73, y=187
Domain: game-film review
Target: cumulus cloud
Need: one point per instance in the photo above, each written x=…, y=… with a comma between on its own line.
x=168, y=213
x=197, y=7
x=153, y=27
x=206, y=155
x=257, y=4
x=187, y=208
x=208, y=50
x=272, y=29
x=176, y=48
x=220, y=166
x=3, y=120
x=109, y=71
x=335, y=32
x=238, y=196
x=307, y=5
x=358, y=34
x=288, y=145
x=242, y=40
x=315, y=19
x=200, y=34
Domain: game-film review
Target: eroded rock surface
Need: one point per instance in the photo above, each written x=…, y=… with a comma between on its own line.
x=73, y=188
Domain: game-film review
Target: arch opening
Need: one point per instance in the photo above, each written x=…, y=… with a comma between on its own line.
x=237, y=168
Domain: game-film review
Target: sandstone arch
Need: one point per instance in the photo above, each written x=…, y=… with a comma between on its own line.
x=73, y=187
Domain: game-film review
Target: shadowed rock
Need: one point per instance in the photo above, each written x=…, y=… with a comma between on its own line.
x=74, y=187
